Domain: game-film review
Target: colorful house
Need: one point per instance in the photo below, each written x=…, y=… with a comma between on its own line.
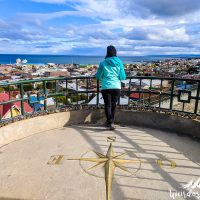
x=12, y=109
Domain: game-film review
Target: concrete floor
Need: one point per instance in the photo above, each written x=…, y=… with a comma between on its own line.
x=28, y=170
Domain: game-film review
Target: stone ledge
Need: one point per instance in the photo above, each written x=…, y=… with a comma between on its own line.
x=27, y=127
x=169, y=123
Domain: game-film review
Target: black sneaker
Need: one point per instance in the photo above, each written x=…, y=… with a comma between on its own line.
x=106, y=124
x=111, y=127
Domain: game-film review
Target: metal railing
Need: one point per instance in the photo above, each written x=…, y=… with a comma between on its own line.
x=30, y=97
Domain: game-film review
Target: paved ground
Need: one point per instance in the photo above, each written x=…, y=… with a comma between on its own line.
x=29, y=169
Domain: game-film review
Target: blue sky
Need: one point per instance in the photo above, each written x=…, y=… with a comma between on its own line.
x=86, y=27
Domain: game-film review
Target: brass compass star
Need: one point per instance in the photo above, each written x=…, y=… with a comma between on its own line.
x=110, y=162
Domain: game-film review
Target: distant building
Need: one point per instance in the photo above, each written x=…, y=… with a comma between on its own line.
x=38, y=103
x=2, y=78
x=56, y=73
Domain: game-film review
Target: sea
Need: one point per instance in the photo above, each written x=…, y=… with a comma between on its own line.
x=77, y=59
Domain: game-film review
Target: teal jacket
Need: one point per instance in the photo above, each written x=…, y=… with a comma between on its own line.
x=111, y=72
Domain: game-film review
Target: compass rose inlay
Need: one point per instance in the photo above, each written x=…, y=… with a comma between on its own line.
x=110, y=161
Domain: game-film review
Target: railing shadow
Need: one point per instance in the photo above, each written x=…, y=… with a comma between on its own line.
x=87, y=132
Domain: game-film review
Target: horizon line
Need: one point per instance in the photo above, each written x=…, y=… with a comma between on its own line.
x=101, y=55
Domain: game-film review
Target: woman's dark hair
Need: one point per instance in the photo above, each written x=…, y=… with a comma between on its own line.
x=111, y=51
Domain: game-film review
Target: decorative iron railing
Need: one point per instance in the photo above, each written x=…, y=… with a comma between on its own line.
x=25, y=98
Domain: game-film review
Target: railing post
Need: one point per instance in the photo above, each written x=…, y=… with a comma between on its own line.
x=197, y=98
x=66, y=91
x=77, y=93
x=161, y=85
x=45, y=95
x=22, y=98
x=87, y=85
x=172, y=95
x=140, y=93
x=11, y=112
x=129, y=91
x=149, y=100
x=56, y=93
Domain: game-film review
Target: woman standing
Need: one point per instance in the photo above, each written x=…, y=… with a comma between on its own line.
x=111, y=71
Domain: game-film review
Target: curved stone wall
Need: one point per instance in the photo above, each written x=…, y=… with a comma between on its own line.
x=169, y=123
x=25, y=128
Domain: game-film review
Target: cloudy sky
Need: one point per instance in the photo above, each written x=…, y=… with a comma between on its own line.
x=86, y=27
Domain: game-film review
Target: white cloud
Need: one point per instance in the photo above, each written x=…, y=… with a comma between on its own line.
x=38, y=18
x=178, y=34
x=133, y=26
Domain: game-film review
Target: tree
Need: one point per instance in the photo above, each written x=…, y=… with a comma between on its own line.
x=28, y=87
x=50, y=85
x=39, y=86
x=2, y=90
x=62, y=99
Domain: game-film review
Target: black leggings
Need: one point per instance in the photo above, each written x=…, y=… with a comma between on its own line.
x=110, y=97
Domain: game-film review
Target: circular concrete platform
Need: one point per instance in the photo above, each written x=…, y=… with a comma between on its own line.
x=41, y=166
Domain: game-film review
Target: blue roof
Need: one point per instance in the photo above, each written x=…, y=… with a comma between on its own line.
x=184, y=86
x=37, y=106
x=34, y=99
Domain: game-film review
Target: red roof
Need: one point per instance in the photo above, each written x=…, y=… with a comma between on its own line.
x=6, y=107
x=4, y=97
x=135, y=95
x=142, y=95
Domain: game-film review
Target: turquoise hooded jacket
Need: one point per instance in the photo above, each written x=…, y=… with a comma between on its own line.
x=111, y=72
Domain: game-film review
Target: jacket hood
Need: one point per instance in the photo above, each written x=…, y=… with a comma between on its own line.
x=113, y=60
